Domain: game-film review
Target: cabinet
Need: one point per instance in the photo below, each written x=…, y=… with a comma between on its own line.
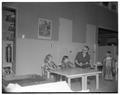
x=8, y=40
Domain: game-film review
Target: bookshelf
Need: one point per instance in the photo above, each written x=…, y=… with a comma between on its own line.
x=8, y=40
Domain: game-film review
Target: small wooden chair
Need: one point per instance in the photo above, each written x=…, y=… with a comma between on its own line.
x=44, y=71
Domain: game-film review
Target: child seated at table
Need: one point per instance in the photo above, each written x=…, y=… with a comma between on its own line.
x=108, y=66
x=50, y=65
x=65, y=63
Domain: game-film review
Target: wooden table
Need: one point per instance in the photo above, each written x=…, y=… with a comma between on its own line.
x=78, y=73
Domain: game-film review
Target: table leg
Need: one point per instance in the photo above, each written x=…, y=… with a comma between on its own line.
x=60, y=77
x=83, y=83
x=97, y=81
x=69, y=82
x=48, y=74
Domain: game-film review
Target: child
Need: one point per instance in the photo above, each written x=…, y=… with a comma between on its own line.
x=66, y=64
x=108, y=66
x=50, y=65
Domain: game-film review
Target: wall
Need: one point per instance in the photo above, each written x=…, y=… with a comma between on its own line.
x=31, y=50
x=81, y=14
x=31, y=54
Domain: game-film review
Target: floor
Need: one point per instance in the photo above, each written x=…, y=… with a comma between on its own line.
x=104, y=86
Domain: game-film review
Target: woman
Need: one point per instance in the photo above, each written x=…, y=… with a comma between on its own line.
x=82, y=59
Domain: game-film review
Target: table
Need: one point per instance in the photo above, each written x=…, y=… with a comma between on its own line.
x=78, y=73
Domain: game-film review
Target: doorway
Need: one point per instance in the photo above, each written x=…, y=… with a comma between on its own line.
x=107, y=40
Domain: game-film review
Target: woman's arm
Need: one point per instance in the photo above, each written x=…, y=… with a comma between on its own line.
x=80, y=64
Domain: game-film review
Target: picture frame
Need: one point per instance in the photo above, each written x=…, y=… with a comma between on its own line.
x=44, y=28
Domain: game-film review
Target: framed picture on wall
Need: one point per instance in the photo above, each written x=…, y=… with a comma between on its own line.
x=44, y=28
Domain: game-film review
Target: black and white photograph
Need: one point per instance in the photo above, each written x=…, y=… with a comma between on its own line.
x=59, y=47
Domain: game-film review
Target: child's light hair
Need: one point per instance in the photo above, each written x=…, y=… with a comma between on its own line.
x=47, y=58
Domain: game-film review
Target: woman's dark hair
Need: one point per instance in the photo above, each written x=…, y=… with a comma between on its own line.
x=86, y=47
x=47, y=58
x=64, y=57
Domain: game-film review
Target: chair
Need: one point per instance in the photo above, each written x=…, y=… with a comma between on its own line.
x=44, y=71
x=98, y=65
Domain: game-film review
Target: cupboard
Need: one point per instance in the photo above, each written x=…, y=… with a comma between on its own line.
x=8, y=40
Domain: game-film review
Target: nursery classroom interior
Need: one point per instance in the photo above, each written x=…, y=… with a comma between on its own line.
x=33, y=30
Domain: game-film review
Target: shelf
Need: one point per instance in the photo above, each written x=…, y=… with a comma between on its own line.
x=7, y=65
x=8, y=40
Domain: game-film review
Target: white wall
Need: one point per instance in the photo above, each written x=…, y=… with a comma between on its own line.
x=30, y=54
x=65, y=30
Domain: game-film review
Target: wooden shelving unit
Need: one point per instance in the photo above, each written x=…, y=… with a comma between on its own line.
x=8, y=40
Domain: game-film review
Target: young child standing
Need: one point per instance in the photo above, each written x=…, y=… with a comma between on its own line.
x=66, y=64
x=108, y=66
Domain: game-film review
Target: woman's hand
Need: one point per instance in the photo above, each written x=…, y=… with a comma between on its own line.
x=86, y=63
x=80, y=64
x=76, y=62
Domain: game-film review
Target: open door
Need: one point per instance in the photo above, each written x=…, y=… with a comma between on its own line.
x=107, y=41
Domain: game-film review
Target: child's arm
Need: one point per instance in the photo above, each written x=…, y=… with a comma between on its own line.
x=49, y=67
x=71, y=64
x=54, y=66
